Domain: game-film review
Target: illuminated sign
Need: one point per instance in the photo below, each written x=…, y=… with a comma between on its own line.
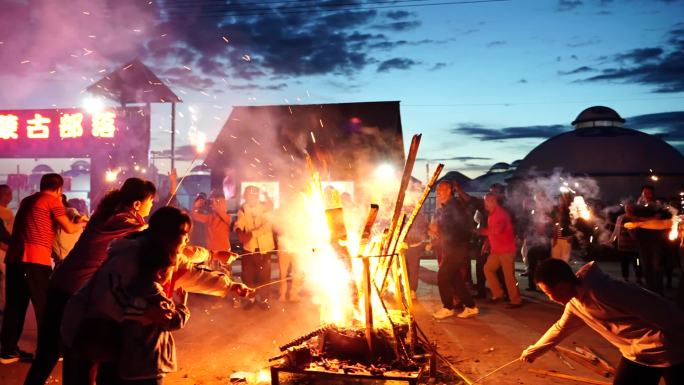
x=70, y=132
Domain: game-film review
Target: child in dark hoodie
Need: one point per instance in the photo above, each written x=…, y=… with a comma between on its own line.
x=148, y=349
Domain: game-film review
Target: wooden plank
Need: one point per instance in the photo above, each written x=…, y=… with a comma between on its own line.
x=587, y=362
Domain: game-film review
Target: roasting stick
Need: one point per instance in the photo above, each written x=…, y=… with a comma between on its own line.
x=272, y=283
x=496, y=370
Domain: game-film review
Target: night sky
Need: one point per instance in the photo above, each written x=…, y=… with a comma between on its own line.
x=484, y=81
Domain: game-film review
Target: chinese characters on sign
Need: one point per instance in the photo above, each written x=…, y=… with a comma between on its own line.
x=9, y=124
x=71, y=126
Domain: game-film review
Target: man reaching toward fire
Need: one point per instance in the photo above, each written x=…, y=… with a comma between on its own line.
x=648, y=329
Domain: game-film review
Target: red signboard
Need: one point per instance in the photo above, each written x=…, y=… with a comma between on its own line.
x=66, y=132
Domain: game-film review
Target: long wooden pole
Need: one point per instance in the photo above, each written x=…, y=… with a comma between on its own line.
x=367, y=303
x=405, y=179
x=173, y=135
x=416, y=210
x=419, y=204
x=569, y=377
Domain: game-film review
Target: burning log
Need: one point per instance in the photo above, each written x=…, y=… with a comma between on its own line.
x=304, y=338
x=370, y=220
x=351, y=344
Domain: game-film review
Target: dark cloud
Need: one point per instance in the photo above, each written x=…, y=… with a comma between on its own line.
x=522, y=81
x=483, y=133
x=568, y=5
x=496, y=43
x=254, y=86
x=669, y=124
x=640, y=55
x=438, y=66
x=398, y=63
x=398, y=15
x=399, y=26
x=214, y=39
x=659, y=67
x=388, y=45
x=584, y=43
x=578, y=70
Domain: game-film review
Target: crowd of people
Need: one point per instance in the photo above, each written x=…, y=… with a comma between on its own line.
x=108, y=307
x=495, y=234
x=108, y=288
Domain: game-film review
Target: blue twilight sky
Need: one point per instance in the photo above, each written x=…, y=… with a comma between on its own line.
x=484, y=81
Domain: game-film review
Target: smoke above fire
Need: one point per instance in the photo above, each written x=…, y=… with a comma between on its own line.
x=308, y=167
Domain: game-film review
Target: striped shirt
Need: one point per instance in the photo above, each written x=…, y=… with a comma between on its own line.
x=35, y=228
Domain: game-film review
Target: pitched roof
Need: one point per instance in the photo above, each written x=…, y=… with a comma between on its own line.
x=134, y=83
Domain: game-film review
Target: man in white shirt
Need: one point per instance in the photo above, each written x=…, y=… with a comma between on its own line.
x=646, y=328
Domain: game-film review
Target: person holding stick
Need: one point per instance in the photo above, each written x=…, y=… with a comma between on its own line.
x=646, y=328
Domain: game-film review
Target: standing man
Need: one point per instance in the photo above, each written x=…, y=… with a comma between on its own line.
x=254, y=220
x=6, y=221
x=648, y=330
x=499, y=232
x=216, y=222
x=453, y=228
x=651, y=242
x=29, y=263
x=561, y=244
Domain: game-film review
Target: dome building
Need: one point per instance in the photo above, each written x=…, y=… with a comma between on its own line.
x=620, y=159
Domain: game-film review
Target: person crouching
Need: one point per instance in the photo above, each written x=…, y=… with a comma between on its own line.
x=147, y=346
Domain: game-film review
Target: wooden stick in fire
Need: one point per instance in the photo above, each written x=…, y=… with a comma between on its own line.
x=419, y=205
x=367, y=303
x=405, y=179
x=370, y=220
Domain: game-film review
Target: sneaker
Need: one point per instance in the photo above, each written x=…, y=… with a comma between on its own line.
x=247, y=304
x=468, y=312
x=511, y=305
x=264, y=305
x=443, y=313
x=10, y=358
x=494, y=300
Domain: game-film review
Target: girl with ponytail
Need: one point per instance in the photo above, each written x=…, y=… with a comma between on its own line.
x=119, y=213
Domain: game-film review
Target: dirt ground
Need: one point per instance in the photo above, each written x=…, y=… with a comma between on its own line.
x=221, y=340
